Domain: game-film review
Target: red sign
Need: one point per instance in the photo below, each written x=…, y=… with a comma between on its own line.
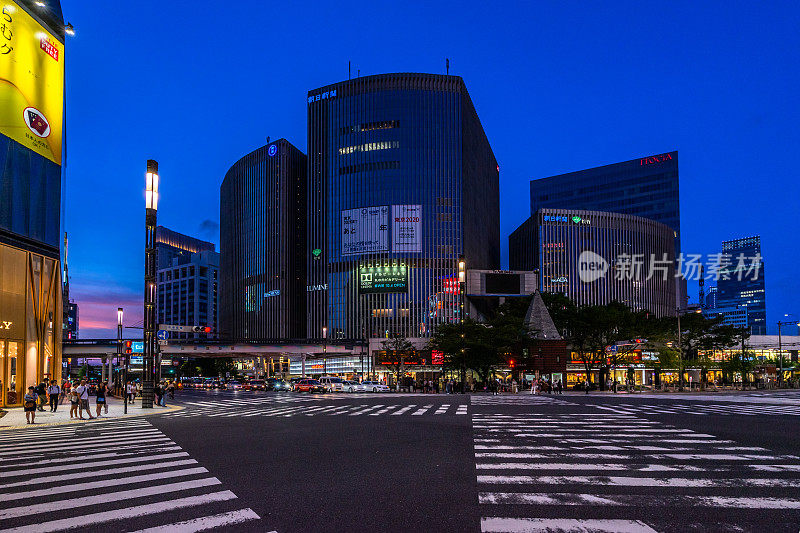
x=437, y=357
x=47, y=46
x=655, y=159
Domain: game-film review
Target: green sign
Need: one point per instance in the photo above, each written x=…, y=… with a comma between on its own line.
x=576, y=219
x=385, y=279
x=316, y=252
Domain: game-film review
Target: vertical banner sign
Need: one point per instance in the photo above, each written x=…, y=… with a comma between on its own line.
x=407, y=228
x=365, y=230
x=31, y=83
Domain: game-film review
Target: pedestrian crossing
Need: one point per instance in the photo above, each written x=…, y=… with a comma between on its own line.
x=702, y=409
x=616, y=472
x=58, y=478
x=235, y=408
x=523, y=398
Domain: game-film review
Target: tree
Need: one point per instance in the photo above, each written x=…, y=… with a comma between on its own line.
x=397, y=347
x=466, y=345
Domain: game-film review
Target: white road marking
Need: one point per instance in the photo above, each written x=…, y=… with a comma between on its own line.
x=205, y=523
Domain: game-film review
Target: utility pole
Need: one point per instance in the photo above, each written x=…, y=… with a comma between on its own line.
x=150, y=347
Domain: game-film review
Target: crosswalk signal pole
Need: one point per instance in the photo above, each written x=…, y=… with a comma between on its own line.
x=151, y=211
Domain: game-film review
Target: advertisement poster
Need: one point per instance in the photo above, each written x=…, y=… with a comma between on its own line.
x=31, y=83
x=407, y=228
x=365, y=230
x=381, y=280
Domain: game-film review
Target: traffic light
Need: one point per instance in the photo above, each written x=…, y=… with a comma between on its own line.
x=128, y=346
x=201, y=329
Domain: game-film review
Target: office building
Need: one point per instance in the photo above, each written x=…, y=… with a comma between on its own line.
x=31, y=112
x=171, y=244
x=596, y=257
x=741, y=281
x=710, y=301
x=402, y=182
x=72, y=327
x=262, y=238
x=731, y=315
x=187, y=287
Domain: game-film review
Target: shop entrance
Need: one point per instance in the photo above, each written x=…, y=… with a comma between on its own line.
x=9, y=379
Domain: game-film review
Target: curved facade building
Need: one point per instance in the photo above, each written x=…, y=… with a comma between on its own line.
x=262, y=244
x=402, y=181
x=595, y=257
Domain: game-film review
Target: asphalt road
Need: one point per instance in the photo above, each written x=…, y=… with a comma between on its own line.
x=254, y=461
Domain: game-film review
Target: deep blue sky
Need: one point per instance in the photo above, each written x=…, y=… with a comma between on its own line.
x=558, y=87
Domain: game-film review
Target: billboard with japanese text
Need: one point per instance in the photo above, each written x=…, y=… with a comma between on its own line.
x=365, y=230
x=31, y=83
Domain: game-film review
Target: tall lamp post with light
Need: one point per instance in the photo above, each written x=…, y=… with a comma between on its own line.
x=151, y=210
x=462, y=296
x=780, y=345
x=119, y=360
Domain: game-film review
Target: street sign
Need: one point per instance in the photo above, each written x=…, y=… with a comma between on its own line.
x=162, y=343
x=173, y=327
x=162, y=334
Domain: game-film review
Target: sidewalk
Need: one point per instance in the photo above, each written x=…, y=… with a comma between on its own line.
x=15, y=416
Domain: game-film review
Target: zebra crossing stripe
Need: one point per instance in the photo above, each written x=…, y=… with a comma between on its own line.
x=404, y=409
x=625, y=481
x=122, y=514
x=442, y=409
x=206, y=522
x=552, y=525
x=361, y=412
x=422, y=410
x=462, y=409
x=83, y=464
x=636, y=500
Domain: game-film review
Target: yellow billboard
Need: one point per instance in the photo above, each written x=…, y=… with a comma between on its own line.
x=31, y=82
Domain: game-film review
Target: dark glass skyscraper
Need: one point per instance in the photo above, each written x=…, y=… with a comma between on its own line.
x=645, y=187
x=741, y=284
x=262, y=245
x=401, y=182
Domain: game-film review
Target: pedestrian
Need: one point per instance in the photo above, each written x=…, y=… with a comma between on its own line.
x=158, y=393
x=41, y=392
x=586, y=385
x=100, y=398
x=514, y=386
x=29, y=405
x=54, y=391
x=83, y=400
x=130, y=390
x=558, y=387
x=171, y=390
x=74, y=401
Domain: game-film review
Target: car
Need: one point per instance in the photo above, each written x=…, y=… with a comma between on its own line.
x=281, y=385
x=309, y=385
x=255, y=384
x=353, y=386
x=332, y=383
x=235, y=385
x=375, y=386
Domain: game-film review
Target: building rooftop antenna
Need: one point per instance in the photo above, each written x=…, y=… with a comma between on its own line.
x=447, y=65
x=348, y=70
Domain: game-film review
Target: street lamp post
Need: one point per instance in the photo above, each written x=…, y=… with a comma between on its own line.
x=119, y=355
x=780, y=346
x=462, y=295
x=151, y=211
x=325, y=350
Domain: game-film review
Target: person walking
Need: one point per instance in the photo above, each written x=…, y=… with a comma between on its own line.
x=100, y=398
x=83, y=400
x=130, y=390
x=29, y=405
x=586, y=385
x=41, y=392
x=171, y=390
x=74, y=401
x=65, y=389
x=54, y=391
x=559, y=387
x=158, y=393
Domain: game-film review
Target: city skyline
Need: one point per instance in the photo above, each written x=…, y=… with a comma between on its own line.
x=545, y=110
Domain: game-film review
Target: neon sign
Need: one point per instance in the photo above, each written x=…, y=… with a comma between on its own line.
x=655, y=159
x=6, y=325
x=322, y=96
x=272, y=150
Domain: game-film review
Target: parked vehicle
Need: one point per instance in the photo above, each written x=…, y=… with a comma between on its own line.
x=280, y=385
x=375, y=386
x=235, y=385
x=255, y=384
x=309, y=385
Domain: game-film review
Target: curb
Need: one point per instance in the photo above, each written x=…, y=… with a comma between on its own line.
x=170, y=409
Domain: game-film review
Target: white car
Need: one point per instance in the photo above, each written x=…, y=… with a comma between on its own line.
x=375, y=386
x=353, y=386
x=332, y=384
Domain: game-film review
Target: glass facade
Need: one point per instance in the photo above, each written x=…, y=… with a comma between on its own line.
x=262, y=245
x=401, y=179
x=743, y=285
x=561, y=244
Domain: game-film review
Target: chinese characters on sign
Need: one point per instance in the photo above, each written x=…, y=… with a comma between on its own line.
x=407, y=228
x=379, y=280
x=365, y=230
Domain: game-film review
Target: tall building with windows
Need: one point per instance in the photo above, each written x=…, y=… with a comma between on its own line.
x=72, y=327
x=402, y=182
x=596, y=257
x=741, y=282
x=262, y=237
x=31, y=113
x=187, y=278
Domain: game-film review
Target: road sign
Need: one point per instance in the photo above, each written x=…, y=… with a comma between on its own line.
x=173, y=327
x=162, y=335
x=162, y=342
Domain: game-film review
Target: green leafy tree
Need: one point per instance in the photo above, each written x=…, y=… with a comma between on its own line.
x=466, y=345
x=398, y=347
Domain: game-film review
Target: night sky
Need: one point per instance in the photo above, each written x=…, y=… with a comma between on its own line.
x=558, y=87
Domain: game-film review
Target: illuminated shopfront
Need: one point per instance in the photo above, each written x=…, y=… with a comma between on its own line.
x=30, y=308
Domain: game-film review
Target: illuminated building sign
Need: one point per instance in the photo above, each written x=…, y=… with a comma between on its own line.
x=562, y=279
x=555, y=218
x=272, y=150
x=322, y=96
x=437, y=357
x=6, y=325
x=270, y=294
x=316, y=252
x=575, y=219
x=380, y=280
x=320, y=287
x=655, y=159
